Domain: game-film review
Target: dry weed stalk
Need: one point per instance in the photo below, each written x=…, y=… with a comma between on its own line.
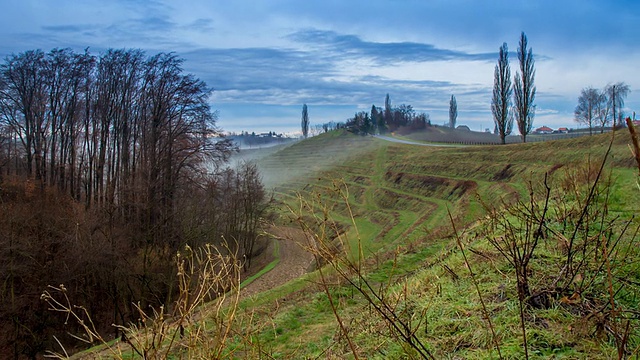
x=634, y=140
x=485, y=312
x=584, y=214
x=602, y=255
x=322, y=249
x=329, y=244
x=198, y=327
x=76, y=313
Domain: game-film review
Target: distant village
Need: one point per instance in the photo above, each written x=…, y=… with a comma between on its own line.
x=547, y=130
x=540, y=131
x=543, y=130
x=246, y=139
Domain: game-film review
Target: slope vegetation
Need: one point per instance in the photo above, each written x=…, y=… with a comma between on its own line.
x=419, y=252
x=391, y=204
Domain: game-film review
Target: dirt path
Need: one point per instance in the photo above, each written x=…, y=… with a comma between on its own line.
x=402, y=141
x=294, y=262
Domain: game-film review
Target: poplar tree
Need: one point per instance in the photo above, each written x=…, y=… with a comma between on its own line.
x=501, y=101
x=305, y=121
x=453, y=112
x=388, y=113
x=525, y=89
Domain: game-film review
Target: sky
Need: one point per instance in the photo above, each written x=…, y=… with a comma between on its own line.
x=265, y=59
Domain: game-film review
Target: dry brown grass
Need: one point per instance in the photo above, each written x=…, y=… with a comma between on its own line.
x=198, y=325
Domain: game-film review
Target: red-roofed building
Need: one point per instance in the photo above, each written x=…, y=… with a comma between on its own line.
x=563, y=130
x=544, y=130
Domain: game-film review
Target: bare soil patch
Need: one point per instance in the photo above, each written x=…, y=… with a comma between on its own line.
x=294, y=261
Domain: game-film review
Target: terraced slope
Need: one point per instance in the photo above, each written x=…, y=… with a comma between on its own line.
x=300, y=162
x=398, y=188
x=399, y=195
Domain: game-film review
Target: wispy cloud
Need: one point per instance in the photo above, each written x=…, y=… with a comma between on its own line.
x=66, y=28
x=291, y=76
x=382, y=52
x=200, y=25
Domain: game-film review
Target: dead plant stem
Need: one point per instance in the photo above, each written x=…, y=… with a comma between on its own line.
x=475, y=284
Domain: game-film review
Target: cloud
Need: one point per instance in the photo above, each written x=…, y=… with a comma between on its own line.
x=66, y=28
x=200, y=25
x=382, y=52
x=328, y=68
x=291, y=76
x=257, y=68
x=147, y=32
x=153, y=23
x=351, y=53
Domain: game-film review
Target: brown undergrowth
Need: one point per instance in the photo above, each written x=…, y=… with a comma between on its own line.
x=197, y=326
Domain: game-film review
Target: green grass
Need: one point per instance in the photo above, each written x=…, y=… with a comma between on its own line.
x=399, y=195
x=267, y=268
x=408, y=218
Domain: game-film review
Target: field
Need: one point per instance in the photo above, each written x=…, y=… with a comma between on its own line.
x=399, y=196
x=443, y=134
x=407, y=240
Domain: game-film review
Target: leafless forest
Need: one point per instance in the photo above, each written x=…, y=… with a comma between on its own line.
x=109, y=165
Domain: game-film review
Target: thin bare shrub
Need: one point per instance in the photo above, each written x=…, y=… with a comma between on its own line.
x=587, y=264
x=517, y=231
x=635, y=150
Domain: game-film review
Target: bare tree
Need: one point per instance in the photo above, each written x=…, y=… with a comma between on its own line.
x=524, y=89
x=68, y=88
x=305, y=121
x=501, y=101
x=616, y=94
x=602, y=110
x=131, y=137
x=403, y=115
x=421, y=121
x=453, y=112
x=586, y=111
x=23, y=102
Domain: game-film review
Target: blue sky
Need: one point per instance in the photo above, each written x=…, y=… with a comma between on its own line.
x=264, y=59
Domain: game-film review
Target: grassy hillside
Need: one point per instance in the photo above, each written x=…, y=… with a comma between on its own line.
x=399, y=196
x=302, y=161
x=400, y=282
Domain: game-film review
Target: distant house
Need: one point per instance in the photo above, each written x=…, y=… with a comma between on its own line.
x=463, y=127
x=563, y=130
x=544, y=130
x=636, y=123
